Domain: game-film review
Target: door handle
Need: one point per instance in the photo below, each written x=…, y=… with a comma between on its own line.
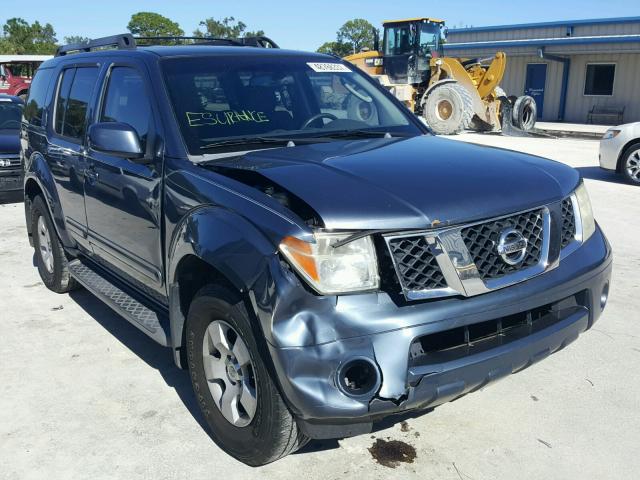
x=91, y=175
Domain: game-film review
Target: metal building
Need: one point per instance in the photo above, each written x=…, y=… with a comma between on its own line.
x=579, y=71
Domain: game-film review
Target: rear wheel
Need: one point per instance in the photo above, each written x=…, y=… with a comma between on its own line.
x=51, y=259
x=448, y=109
x=631, y=165
x=234, y=388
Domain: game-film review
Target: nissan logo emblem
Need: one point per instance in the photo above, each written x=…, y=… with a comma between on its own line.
x=512, y=246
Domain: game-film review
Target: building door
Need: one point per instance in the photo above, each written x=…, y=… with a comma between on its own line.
x=535, y=82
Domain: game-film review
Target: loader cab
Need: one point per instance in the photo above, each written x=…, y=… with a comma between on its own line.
x=409, y=46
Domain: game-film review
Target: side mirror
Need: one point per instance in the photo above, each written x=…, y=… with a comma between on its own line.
x=115, y=138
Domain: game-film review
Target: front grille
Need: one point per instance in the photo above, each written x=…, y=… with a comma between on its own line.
x=568, y=222
x=482, y=240
x=416, y=265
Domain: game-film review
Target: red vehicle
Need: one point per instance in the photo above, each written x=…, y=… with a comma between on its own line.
x=16, y=72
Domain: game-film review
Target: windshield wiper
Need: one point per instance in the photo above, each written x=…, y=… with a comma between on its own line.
x=232, y=142
x=358, y=134
x=242, y=141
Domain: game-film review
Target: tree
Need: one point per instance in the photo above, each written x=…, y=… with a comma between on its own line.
x=150, y=24
x=76, y=39
x=228, y=27
x=20, y=37
x=336, y=48
x=354, y=36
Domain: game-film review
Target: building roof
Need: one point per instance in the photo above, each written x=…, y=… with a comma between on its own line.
x=544, y=42
x=559, y=23
x=24, y=58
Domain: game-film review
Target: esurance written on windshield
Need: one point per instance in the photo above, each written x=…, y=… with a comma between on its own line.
x=229, y=117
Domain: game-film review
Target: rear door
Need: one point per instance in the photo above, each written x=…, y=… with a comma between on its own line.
x=122, y=196
x=65, y=154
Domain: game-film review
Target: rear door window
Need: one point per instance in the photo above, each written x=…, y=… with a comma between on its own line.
x=74, y=94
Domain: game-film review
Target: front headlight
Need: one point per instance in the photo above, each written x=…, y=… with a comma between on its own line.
x=609, y=134
x=586, y=212
x=333, y=270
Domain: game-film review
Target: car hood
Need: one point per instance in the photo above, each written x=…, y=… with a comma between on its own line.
x=409, y=183
x=9, y=141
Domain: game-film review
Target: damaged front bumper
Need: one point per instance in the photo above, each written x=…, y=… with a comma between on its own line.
x=427, y=353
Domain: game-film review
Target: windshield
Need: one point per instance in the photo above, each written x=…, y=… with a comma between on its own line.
x=10, y=115
x=429, y=36
x=217, y=99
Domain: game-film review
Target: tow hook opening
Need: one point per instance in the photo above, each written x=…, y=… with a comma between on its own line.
x=358, y=377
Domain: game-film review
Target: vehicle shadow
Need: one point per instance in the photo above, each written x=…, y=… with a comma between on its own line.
x=159, y=358
x=11, y=197
x=597, y=173
x=154, y=355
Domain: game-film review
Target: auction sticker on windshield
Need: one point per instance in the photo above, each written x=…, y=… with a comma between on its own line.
x=329, y=67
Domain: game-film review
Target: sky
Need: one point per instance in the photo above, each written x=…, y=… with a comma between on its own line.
x=299, y=24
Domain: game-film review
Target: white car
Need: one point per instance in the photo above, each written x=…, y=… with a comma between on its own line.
x=620, y=151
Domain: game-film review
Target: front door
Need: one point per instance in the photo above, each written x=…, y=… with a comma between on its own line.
x=122, y=197
x=535, y=83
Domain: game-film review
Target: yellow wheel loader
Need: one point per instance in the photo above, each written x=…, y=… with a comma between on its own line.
x=450, y=94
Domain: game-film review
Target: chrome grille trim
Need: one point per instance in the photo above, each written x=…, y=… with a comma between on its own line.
x=458, y=266
x=14, y=160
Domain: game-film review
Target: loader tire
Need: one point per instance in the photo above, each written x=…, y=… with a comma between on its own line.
x=525, y=113
x=448, y=109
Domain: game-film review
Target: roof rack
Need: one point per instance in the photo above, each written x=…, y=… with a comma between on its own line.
x=256, y=41
x=126, y=41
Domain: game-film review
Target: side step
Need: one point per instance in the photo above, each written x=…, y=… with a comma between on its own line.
x=124, y=304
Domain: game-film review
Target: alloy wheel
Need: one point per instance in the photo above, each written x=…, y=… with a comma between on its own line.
x=230, y=373
x=46, y=251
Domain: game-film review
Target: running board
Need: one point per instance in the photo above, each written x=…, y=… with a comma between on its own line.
x=124, y=304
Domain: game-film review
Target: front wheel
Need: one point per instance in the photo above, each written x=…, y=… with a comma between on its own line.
x=631, y=165
x=448, y=109
x=234, y=388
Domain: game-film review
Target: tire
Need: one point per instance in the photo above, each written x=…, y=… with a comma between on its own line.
x=271, y=431
x=448, y=109
x=525, y=113
x=630, y=165
x=51, y=259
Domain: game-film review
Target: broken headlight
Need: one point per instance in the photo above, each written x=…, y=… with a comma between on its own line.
x=330, y=269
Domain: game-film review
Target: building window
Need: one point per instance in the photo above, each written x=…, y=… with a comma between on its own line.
x=599, y=79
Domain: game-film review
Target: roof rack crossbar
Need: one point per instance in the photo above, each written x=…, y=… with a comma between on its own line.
x=124, y=41
x=256, y=41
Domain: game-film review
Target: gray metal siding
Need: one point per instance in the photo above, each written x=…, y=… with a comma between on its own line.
x=515, y=78
x=626, y=56
x=626, y=87
x=460, y=36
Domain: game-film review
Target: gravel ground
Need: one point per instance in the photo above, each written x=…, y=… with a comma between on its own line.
x=85, y=395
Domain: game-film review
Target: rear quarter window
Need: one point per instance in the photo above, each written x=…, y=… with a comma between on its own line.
x=74, y=94
x=35, y=105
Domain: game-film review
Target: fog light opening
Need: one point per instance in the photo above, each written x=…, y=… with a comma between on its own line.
x=604, y=296
x=358, y=377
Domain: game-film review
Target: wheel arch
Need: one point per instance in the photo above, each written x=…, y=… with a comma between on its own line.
x=623, y=152
x=213, y=245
